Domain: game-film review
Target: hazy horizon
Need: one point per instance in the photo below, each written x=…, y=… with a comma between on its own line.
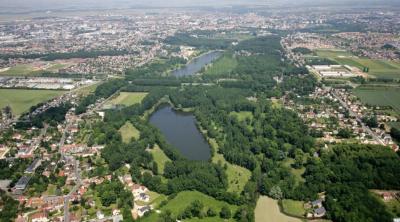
x=16, y=6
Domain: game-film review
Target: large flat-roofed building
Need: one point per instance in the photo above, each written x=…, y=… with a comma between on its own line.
x=334, y=71
x=35, y=164
x=22, y=183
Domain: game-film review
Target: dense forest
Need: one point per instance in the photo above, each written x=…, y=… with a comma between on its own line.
x=198, y=42
x=261, y=143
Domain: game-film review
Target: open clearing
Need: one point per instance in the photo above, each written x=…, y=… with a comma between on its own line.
x=20, y=100
x=224, y=65
x=237, y=175
x=267, y=210
x=160, y=158
x=184, y=199
x=293, y=207
x=129, y=132
x=296, y=172
x=128, y=98
x=377, y=68
x=379, y=96
x=243, y=115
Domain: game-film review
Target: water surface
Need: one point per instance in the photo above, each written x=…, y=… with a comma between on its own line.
x=179, y=129
x=195, y=65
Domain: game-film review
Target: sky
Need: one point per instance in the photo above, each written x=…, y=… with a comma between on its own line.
x=11, y=6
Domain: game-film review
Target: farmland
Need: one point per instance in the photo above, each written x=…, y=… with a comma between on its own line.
x=380, y=96
x=267, y=209
x=20, y=100
x=31, y=69
x=127, y=98
x=377, y=68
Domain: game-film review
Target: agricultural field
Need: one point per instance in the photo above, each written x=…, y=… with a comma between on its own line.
x=380, y=96
x=160, y=158
x=267, y=209
x=224, y=65
x=293, y=207
x=20, y=100
x=184, y=199
x=377, y=68
x=127, y=98
x=31, y=69
x=129, y=132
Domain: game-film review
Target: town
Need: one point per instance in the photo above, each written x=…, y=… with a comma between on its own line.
x=201, y=114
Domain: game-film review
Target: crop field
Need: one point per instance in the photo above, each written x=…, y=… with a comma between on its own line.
x=377, y=68
x=267, y=209
x=185, y=198
x=20, y=100
x=128, y=98
x=380, y=96
x=128, y=132
x=224, y=65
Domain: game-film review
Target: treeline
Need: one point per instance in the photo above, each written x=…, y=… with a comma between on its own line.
x=52, y=116
x=266, y=45
x=104, y=90
x=9, y=208
x=68, y=55
x=154, y=69
x=346, y=173
x=302, y=50
x=198, y=42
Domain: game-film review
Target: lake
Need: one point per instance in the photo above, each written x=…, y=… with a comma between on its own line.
x=195, y=65
x=180, y=130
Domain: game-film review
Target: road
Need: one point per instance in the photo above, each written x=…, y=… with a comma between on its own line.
x=77, y=173
x=359, y=120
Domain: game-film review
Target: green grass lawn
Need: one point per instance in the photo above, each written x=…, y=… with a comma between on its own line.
x=184, y=199
x=293, y=207
x=20, y=100
x=128, y=98
x=237, y=175
x=395, y=124
x=160, y=158
x=86, y=90
x=20, y=70
x=377, y=67
x=380, y=96
x=128, y=132
x=267, y=209
x=394, y=207
x=155, y=199
x=224, y=65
